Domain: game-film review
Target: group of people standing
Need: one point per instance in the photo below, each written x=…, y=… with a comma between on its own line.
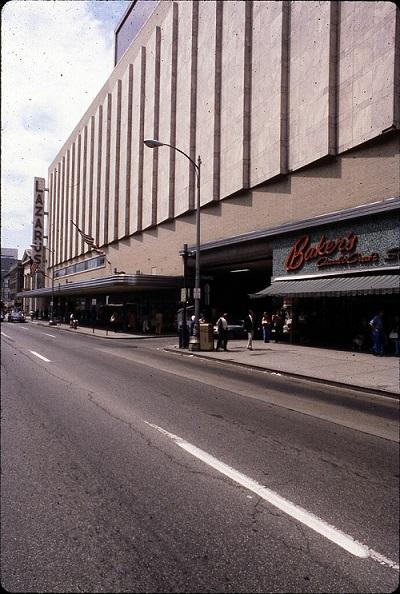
x=381, y=338
x=385, y=335
x=271, y=326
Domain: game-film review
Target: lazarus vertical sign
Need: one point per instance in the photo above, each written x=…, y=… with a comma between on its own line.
x=38, y=222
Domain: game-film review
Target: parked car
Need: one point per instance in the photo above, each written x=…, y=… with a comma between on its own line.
x=235, y=329
x=16, y=316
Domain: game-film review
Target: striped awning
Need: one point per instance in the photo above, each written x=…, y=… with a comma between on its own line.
x=332, y=287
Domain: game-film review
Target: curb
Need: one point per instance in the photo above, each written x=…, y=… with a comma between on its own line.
x=376, y=391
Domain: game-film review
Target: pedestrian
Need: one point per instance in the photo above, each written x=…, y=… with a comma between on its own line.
x=249, y=327
x=394, y=336
x=377, y=326
x=183, y=329
x=145, y=324
x=114, y=321
x=266, y=325
x=131, y=321
x=158, y=319
x=222, y=329
x=71, y=320
x=277, y=324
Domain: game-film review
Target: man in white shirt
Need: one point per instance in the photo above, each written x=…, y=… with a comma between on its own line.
x=222, y=328
x=249, y=327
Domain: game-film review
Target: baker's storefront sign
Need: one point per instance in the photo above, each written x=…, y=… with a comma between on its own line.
x=351, y=246
x=330, y=253
x=327, y=252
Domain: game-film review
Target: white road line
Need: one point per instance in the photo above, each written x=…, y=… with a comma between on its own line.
x=40, y=356
x=6, y=335
x=298, y=513
x=52, y=335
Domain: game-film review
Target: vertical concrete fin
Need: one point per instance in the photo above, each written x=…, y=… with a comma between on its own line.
x=172, y=153
x=141, y=139
x=91, y=166
x=117, y=160
x=193, y=103
x=217, y=105
x=82, y=215
x=248, y=47
x=396, y=75
x=51, y=211
x=84, y=188
x=128, y=151
x=71, y=212
x=107, y=168
x=99, y=162
x=156, y=125
x=67, y=204
x=284, y=114
x=333, y=78
x=62, y=210
x=78, y=192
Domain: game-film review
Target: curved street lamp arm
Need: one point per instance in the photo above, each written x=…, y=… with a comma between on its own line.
x=182, y=153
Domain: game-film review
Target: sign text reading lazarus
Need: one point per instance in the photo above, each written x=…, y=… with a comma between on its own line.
x=38, y=221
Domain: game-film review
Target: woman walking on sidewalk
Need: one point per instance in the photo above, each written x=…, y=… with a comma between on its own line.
x=249, y=327
x=266, y=324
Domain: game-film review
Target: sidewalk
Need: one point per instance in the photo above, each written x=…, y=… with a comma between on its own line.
x=345, y=368
x=96, y=332
x=358, y=370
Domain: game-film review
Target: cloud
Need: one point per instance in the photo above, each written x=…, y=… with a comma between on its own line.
x=55, y=58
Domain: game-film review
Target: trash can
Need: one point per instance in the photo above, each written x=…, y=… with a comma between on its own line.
x=206, y=337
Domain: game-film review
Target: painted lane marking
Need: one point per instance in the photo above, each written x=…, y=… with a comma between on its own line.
x=40, y=356
x=343, y=540
x=6, y=335
x=52, y=335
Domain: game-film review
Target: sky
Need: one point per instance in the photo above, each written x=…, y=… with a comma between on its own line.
x=55, y=57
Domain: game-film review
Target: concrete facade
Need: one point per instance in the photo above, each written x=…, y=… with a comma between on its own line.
x=278, y=98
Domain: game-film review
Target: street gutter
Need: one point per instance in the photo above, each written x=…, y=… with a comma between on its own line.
x=374, y=391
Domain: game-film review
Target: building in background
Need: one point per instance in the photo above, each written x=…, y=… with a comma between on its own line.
x=15, y=282
x=9, y=256
x=8, y=259
x=28, y=304
x=294, y=109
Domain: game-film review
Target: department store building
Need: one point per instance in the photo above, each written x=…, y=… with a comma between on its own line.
x=293, y=108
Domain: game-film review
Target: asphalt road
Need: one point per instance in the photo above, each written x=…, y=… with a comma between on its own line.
x=129, y=469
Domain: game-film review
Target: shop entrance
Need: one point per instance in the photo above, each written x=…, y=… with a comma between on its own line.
x=340, y=322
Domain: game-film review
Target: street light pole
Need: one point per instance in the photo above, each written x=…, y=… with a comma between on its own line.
x=194, y=344
x=51, y=321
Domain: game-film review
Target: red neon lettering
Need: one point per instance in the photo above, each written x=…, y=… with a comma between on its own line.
x=295, y=259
